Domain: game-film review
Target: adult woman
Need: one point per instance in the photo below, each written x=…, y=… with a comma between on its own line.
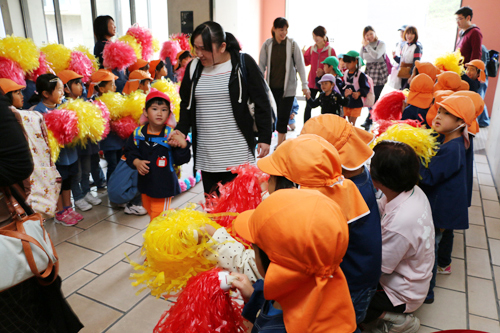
x=214, y=94
x=313, y=56
x=373, y=53
x=412, y=51
x=282, y=58
x=104, y=30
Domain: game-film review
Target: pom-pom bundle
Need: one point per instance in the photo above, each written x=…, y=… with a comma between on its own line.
x=144, y=37
x=187, y=183
x=55, y=147
x=21, y=50
x=169, y=50
x=90, y=121
x=453, y=62
x=81, y=64
x=381, y=126
x=183, y=40
x=58, y=56
x=134, y=105
x=182, y=185
x=123, y=127
x=11, y=70
x=173, y=251
x=180, y=74
x=389, y=107
x=105, y=116
x=44, y=67
x=84, y=49
x=118, y=55
x=172, y=91
x=203, y=307
x=63, y=124
x=132, y=42
x=114, y=102
x=422, y=140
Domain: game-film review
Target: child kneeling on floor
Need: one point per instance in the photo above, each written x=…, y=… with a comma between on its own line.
x=148, y=151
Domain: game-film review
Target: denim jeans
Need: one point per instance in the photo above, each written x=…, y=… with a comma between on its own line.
x=361, y=300
x=112, y=157
x=483, y=119
x=80, y=184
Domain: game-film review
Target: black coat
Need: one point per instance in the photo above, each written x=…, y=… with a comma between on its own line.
x=332, y=103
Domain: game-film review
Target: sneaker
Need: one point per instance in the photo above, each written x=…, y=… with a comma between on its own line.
x=411, y=325
x=65, y=219
x=92, y=200
x=135, y=210
x=83, y=205
x=115, y=205
x=444, y=270
x=78, y=217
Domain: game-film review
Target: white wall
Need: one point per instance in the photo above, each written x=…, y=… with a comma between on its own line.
x=493, y=143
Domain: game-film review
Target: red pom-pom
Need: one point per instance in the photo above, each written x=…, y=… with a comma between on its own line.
x=118, y=55
x=169, y=50
x=381, y=126
x=389, y=107
x=143, y=37
x=124, y=127
x=203, y=307
x=183, y=40
x=63, y=124
x=81, y=64
x=44, y=67
x=105, y=116
x=11, y=70
x=180, y=73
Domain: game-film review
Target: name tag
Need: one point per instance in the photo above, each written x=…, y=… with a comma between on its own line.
x=161, y=162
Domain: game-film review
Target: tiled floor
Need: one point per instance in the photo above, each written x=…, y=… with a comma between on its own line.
x=96, y=273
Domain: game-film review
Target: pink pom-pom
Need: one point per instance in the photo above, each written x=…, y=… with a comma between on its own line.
x=180, y=73
x=118, y=55
x=11, y=70
x=105, y=116
x=182, y=185
x=170, y=49
x=81, y=64
x=183, y=40
x=192, y=181
x=381, y=126
x=63, y=124
x=143, y=37
x=389, y=107
x=124, y=127
x=44, y=67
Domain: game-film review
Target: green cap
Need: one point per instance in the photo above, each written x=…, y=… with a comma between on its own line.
x=334, y=62
x=355, y=54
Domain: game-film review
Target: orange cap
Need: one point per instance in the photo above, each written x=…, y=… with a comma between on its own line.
x=478, y=104
x=461, y=107
x=438, y=97
x=99, y=76
x=463, y=86
x=448, y=81
x=305, y=236
x=138, y=64
x=427, y=68
x=134, y=80
x=312, y=162
x=152, y=67
x=479, y=65
x=68, y=75
x=7, y=85
x=421, y=91
x=351, y=142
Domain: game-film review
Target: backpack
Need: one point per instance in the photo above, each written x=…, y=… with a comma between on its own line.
x=162, y=141
x=369, y=100
x=492, y=63
x=387, y=61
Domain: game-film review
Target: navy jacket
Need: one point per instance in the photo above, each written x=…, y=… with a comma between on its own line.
x=159, y=182
x=112, y=142
x=27, y=93
x=98, y=48
x=332, y=103
x=445, y=184
x=474, y=85
x=416, y=113
x=363, y=259
x=121, y=80
x=364, y=88
x=469, y=160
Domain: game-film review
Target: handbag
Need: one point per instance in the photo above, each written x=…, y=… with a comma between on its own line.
x=26, y=249
x=405, y=70
x=122, y=185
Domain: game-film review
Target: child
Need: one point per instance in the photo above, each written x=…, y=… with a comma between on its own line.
x=445, y=179
x=419, y=99
x=183, y=59
x=449, y=81
x=355, y=86
x=407, y=238
x=362, y=261
x=138, y=80
x=331, y=66
x=140, y=64
x=157, y=69
x=474, y=74
x=304, y=289
x=330, y=101
x=13, y=91
x=88, y=157
x=422, y=67
x=147, y=151
x=49, y=93
x=293, y=112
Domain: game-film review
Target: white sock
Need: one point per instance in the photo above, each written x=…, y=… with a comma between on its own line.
x=395, y=318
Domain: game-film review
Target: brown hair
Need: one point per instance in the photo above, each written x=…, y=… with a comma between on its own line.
x=320, y=31
x=367, y=29
x=412, y=30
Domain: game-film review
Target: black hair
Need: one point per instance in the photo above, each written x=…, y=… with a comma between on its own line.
x=159, y=101
x=279, y=22
x=395, y=165
x=9, y=96
x=45, y=82
x=70, y=83
x=320, y=31
x=283, y=183
x=212, y=33
x=367, y=29
x=101, y=84
x=263, y=258
x=101, y=26
x=464, y=11
x=159, y=66
x=349, y=59
x=143, y=81
x=184, y=55
x=145, y=68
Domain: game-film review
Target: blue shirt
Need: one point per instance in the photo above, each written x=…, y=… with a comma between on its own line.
x=120, y=81
x=416, y=113
x=40, y=107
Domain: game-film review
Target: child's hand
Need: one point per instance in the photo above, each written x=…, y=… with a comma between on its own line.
x=141, y=166
x=292, y=116
x=356, y=94
x=320, y=72
x=348, y=92
x=177, y=140
x=244, y=285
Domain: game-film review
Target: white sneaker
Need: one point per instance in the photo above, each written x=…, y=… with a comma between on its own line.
x=135, y=210
x=92, y=200
x=83, y=205
x=411, y=325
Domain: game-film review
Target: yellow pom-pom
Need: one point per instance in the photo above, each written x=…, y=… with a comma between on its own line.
x=406, y=92
x=422, y=140
x=115, y=103
x=173, y=252
x=21, y=50
x=130, y=40
x=172, y=91
x=90, y=121
x=54, y=146
x=58, y=56
x=453, y=62
x=91, y=56
x=134, y=104
x=156, y=45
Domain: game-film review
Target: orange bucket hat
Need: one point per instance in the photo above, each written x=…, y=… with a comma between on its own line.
x=427, y=68
x=305, y=236
x=448, y=81
x=99, y=76
x=478, y=104
x=134, y=80
x=152, y=67
x=464, y=85
x=7, y=86
x=479, y=65
x=138, y=64
x=68, y=75
x=421, y=91
x=351, y=142
x=438, y=97
x=463, y=108
x=313, y=163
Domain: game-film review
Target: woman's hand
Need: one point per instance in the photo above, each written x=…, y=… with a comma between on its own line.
x=393, y=54
x=292, y=116
x=307, y=93
x=304, y=50
x=244, y=285
x=263, y=149
x=141, y=166
x=365, y=42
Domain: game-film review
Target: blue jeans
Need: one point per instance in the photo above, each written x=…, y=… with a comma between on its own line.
x=112, y=157
x=361, y=300
x=80, y=184
x=483, y=119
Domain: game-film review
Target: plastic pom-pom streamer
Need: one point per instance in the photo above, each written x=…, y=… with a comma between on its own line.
x=183, y=40
x=182, y=185
x=134, y=105
x=169, y=50
x=90, y=55
x=44, y=67
x=21, y=50
x=422, y=140
x=144, y=37
x=381, y=126
x=203, y=307
x=81, y=64
x=119, y=55
x=123, y=127
x=11, y=70
x=90, y=120
x=172, y=91
x=156, y=45
x=173, y=253
x=132, y=42
x=63, y=124
x=55, y=147
x=389, y=107
x=114, y=102
x=105, y=116
x=453, y=62
x=58, y=56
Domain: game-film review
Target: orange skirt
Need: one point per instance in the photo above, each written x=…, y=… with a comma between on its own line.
x=348, y=112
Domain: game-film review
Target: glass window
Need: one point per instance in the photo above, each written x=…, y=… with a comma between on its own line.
x=119, y=10
x=2, y=26
x=75, y=15
x=141, y=13
x=50, y=21
x=159, y=20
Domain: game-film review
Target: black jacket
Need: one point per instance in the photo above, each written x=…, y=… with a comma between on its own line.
x=332, y=103
x=239, y=92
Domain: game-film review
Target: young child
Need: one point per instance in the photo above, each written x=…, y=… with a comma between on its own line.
x=331, y=66
x=138, y=80
x=157, y=69
x=355, y=86
x=183, y=59
x=445, y=179
x=299, y=238
x=422, y=67
x=330, y=101
x=419, y=99
x=49, y=93
x=449, y=81
x=147, y=151
x=140, y=64
x=293, y=112
x=474, y=74
x=13, y=91
x=407, y=239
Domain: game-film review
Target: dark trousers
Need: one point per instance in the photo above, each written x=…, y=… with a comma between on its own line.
x=284, y=105
x=377, y=90
x=112, y=157
x=307, y=111
x=445, y=248
x=211, y=179
x=381, y=303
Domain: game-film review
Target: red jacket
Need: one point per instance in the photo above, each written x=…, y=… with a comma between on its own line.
x=313, y=58
x=470, y=44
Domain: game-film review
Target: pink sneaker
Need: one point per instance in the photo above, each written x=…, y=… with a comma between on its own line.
x=74, y=214
x=444, y=270
x=65, y=219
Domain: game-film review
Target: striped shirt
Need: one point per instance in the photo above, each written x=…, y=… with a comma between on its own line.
x=220, y=142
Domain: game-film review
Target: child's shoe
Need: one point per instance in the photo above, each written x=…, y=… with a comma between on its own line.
x=135, y=210
x=83, y=205
x=65, y=219
x=77, y=216
x=444, y=270
x=411, y=325
x=92, y=200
